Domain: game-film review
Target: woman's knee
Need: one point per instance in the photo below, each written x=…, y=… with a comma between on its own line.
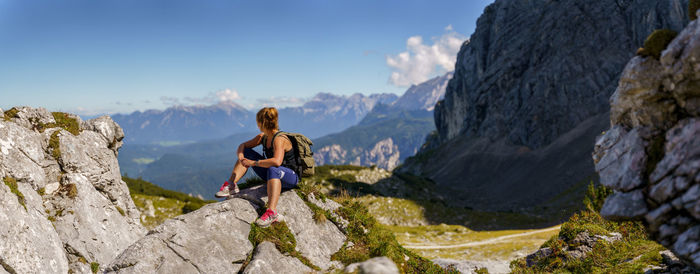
x=274, y=172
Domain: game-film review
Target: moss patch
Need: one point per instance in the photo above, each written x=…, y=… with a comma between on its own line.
x=11, y=113
x=656, y=42
x=12, y=184
x=66, y=122
x=55, y=145
x=279, y=234
x=370, y=239
x=121, y=211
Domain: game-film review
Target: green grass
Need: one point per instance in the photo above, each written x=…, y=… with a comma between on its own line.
x=139, y=186
x=630, y=255
x=12, y=184
x=370, y=239
x=164, y=208
x=11, y=113
x=55, y=145
x=280, y=235
x=63, y=120
x=94, y=266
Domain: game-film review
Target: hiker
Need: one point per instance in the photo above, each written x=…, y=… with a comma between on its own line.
x=276, y=167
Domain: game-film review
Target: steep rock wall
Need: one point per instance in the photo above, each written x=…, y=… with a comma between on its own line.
x=651, y=154
x=64, y=205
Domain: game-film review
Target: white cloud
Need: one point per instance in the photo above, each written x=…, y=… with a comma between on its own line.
x=169, y=101
x=280, y=102
x=421, y=61
x=228, y=95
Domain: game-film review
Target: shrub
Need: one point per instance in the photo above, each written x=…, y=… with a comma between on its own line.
x=656, y=42
x=693, y=6
x=595, y=197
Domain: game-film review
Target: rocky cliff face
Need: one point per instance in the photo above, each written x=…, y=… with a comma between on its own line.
x=533, y=70
x=529, y=94
x=64, y=205
x=651, y=154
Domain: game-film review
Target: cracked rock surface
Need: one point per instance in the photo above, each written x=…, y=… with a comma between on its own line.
x=71, y=208
x=651, y=154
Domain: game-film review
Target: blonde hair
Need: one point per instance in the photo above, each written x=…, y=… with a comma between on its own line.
x=267, y=118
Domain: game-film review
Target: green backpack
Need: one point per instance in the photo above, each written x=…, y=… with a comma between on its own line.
x=303, y=155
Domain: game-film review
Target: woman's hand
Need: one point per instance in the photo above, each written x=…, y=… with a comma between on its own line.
x=247, y=163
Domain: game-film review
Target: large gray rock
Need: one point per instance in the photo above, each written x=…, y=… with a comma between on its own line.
x=376, y=265
x=212, y=239
x=267, y=259
x=77, y=217
x=622, y=165
x=658, y=174
x=315, y=241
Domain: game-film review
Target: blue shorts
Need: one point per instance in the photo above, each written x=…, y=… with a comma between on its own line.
x=287, y=176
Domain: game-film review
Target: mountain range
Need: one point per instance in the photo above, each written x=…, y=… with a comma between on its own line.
x=323, y=114
x=380, y=129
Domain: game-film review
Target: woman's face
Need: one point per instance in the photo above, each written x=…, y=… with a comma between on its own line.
x=260, y=127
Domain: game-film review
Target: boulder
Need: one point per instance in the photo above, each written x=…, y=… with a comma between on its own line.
x=315, y=241
x=376, y=265
x=267, y=259
x=212, y=239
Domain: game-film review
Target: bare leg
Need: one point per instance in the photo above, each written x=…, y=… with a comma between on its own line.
x=274, y=188
x=238, y=171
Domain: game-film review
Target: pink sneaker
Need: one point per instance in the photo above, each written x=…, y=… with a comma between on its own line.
x=226, y=190
x=268, y=218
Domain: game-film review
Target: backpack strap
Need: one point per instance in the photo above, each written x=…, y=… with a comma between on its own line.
x=264, y=141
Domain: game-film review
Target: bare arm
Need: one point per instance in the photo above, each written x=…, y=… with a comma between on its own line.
x=248, y=144
x=279, y=144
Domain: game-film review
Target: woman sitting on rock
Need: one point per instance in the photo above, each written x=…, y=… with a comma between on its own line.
x=276, y=167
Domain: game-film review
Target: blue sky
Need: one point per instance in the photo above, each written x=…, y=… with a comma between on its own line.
x=91, y=56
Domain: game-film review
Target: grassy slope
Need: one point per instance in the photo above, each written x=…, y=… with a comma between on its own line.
x=167, y=203
x=632, y=254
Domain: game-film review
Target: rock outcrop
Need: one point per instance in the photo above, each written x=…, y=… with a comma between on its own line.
x=651, y=154
x=64, y=205
x=214, y=239
x=530, y=93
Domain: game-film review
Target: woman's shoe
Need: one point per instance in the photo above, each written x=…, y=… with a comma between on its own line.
x=268, y=218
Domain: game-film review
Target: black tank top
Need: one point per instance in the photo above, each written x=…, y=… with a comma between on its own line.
x=287, y=160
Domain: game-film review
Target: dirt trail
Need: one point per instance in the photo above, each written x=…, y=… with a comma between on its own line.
x=484, y=242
